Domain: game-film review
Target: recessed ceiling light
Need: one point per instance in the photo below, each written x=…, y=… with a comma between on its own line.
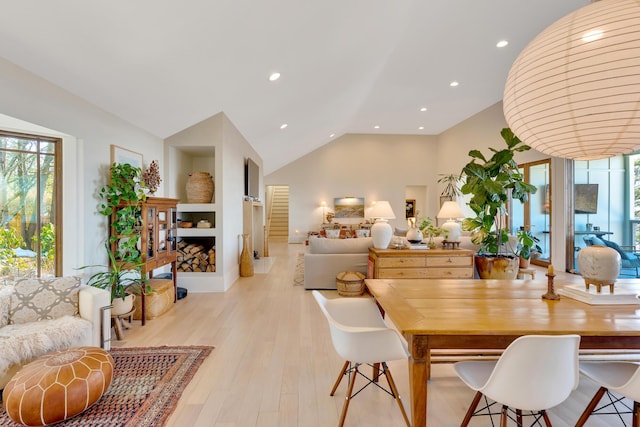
x=274, y=76
x=423, y=109
x=502, y=43
x=376, y=127
x=454, y=84
x=421, y=128
x=284, y=125
x=332, y=135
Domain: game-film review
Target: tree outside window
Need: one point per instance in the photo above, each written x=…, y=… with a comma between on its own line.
x=29, y=179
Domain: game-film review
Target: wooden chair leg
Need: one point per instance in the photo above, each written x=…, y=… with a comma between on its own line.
x=636, y=415
x=590, y=407
x=472, y=409
x=519, y=417
x=503, y=416
x=337, y=383
x=394, y=390
x=547, y=421
x=347, y=399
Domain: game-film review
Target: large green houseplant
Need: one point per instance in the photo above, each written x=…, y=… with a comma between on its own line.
x=125, y=191
x=492, y=183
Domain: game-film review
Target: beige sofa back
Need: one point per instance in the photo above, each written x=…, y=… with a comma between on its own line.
x=319, y=245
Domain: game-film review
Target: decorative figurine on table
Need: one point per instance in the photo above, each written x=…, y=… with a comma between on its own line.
x=551, y=292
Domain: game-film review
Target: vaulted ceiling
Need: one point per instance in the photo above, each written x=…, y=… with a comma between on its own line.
x=346, y=65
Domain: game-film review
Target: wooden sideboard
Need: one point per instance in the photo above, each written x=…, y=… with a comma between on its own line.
x=420, y=264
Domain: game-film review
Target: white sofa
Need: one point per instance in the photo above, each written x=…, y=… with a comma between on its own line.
x=40, y=316
x=328, y=257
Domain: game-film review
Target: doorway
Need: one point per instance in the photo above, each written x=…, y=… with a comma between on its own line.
x=535, y=215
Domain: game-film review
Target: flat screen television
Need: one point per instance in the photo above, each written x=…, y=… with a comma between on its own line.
x=252, y=179
x=586, y=198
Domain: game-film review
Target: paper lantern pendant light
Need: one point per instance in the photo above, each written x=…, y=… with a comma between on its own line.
x=574, y=91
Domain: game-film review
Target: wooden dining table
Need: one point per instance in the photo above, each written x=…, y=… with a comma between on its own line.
x=489, y=314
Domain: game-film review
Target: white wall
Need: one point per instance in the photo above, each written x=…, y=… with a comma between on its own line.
x=217, y=134
x=91, y=131
x=386, y=167
x=376, y=167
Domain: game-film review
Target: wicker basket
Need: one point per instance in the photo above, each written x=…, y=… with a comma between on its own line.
x=199, y=187
x=350, y=283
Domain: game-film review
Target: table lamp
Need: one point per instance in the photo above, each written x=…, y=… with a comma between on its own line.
x=451, y=211
x=381, y=231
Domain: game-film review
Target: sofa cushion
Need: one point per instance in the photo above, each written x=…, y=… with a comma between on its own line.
x=339, y=246
x=5, y=303
x=36, y=299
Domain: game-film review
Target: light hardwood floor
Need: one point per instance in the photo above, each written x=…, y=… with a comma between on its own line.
x=274, y=364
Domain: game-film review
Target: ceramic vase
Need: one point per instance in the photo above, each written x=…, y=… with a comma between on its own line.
x=199, y=187
x=246, y=258
x=414, y=235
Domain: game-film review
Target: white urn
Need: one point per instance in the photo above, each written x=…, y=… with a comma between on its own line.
x=599, y=264
x=414, y=235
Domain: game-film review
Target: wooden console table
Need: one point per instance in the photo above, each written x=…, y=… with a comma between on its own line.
x=420, y=264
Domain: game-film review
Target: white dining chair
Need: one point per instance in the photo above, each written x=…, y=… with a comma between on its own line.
x=361, y=337
x=622, y=378
x=534, y=373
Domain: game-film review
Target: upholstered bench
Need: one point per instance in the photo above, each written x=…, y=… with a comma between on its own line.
x=157, y=302
x=58, y=386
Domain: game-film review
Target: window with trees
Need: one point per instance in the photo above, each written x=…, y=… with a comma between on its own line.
x=30, y=183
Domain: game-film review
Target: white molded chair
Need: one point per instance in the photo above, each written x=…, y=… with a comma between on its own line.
x=360, y=336
x=535, y=373
x=622, y=378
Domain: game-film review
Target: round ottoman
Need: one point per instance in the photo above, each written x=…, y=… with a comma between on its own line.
x=58, y=386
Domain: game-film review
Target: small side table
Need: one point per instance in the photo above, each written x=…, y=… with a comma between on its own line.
x=530, y=271
x=118, y=321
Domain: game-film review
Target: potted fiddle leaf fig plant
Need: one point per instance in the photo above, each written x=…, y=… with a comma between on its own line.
x=492, y=183
x=527, y=245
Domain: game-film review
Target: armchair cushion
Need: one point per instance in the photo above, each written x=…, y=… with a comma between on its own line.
x=43, y=299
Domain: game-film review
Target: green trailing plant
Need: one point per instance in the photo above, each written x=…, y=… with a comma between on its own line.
x=492, y=183
x=125, y=190
x=117, y=278
x=527, y=243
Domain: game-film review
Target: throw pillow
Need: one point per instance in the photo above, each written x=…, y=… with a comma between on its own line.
x=42, y=299
x=5, y=303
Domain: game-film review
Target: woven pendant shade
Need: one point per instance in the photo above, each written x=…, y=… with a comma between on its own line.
x=574, y=91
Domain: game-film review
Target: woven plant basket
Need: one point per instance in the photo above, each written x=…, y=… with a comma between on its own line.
x=350, y=283
x=199, y=187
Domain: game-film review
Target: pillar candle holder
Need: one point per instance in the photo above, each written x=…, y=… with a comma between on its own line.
x=551, y=292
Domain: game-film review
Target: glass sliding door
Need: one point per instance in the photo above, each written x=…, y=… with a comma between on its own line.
x=535, y=215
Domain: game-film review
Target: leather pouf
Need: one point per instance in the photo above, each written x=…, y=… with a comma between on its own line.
x=157, y=302
x=58, y=386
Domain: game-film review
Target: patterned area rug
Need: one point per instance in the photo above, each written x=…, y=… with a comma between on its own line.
x=298, y=275
x=147, y=385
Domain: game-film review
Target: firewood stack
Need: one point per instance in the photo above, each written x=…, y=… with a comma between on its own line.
x=193, y=257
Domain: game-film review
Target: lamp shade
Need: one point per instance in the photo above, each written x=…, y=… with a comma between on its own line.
x=382, y=209
x=450, y=209
x=574, y=91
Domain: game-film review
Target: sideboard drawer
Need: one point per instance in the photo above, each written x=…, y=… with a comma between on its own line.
x=396, y=273
x=404, y=262
x=450, y=273
x=449, y=261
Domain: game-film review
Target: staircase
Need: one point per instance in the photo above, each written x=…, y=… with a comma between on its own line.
x=278, y=214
